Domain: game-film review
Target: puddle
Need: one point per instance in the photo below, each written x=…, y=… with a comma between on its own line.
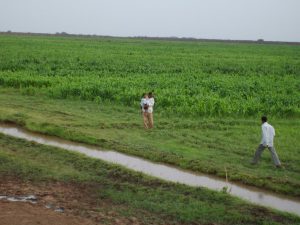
x=28, y=198
x=251, y=194
x=55, y=208
x=32, y=199
x=60, y=210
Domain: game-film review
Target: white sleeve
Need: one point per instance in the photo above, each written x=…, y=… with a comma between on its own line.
x=151, y=102
x=264, y=135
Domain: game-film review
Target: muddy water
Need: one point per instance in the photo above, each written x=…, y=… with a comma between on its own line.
x=28, y=198
x=161, y=171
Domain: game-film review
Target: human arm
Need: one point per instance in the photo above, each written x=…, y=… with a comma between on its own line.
x=151, y=102
x=142, y=104
x=264, y=136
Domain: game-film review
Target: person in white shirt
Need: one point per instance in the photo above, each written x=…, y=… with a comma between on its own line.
x=268, y=133
x=150, y=109
x=147, y=103
x=144, y=109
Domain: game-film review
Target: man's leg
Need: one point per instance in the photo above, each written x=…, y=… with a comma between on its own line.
x=145, y=118
x=257, y=155
x=274, y=156
x=150, y=118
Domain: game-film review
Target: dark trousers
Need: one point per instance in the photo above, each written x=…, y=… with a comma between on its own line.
x=259, y=151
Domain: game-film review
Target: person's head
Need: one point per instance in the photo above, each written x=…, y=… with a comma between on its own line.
x=150, y=94
x=145, y=95
x=264, y=119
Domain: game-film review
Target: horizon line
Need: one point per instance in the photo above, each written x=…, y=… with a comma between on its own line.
x=170, y=38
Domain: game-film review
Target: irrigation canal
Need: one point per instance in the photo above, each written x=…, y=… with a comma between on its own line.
x=165, y=172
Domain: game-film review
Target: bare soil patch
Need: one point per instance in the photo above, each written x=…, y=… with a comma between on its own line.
x=20, y=213
x=81, y=204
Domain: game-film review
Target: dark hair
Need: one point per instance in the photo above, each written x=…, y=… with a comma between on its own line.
x=150, y=94
x=264, y=119
x=144, y=95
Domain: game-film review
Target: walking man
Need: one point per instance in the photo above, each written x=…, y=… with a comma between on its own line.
x=268, y=133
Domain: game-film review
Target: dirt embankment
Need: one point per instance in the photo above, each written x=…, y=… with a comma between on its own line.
x=20, y=213
x=79, y=203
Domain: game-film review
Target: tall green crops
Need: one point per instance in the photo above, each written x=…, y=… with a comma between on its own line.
x=189, y=78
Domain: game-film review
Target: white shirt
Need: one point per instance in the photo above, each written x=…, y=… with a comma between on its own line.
x=149, y=102
x=144, y=101
x=268, y=133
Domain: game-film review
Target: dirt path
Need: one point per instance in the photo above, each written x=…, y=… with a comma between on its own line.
x=80, y=205
x=20, y=213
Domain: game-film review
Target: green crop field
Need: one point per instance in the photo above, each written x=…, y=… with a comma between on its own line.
x=189, y=78
x=209, y=100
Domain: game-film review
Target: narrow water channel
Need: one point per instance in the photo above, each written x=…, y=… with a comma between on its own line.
x=251, y=194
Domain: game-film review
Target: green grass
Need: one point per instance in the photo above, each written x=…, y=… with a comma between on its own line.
x=189, y=78
x=209, y=97
x=205, y=145
x=177, y=204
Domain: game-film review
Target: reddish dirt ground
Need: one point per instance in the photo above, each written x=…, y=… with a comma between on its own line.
x=79, y=202
x=20, y=213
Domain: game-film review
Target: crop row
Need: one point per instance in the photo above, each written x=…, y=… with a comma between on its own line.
x=207, y=79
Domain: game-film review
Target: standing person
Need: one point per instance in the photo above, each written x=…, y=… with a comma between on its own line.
x=150, y=109
x=144, y=109
x=268, y=133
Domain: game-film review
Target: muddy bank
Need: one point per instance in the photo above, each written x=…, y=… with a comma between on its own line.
x=80, y=203
x=16, y=213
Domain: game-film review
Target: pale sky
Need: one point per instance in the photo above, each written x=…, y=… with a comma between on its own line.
x=272, y=20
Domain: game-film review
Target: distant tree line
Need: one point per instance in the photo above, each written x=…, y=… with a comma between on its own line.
x=63, y=33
